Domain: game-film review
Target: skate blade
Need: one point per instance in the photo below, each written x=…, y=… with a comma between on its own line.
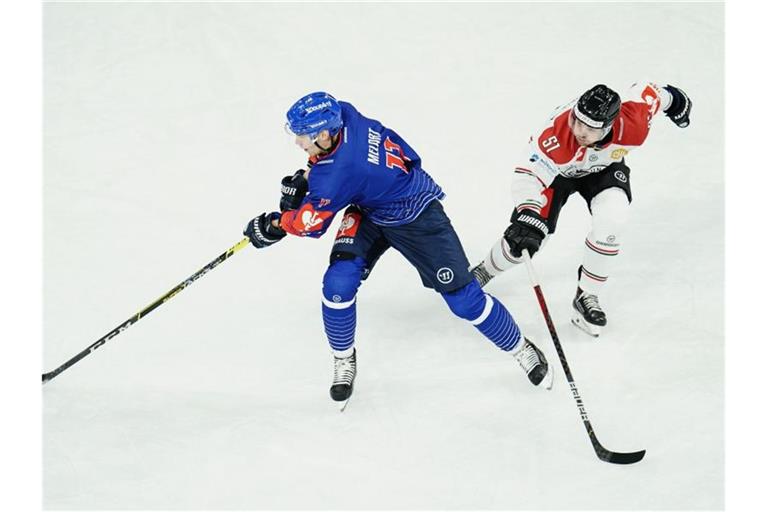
x=549, y=378
x=592, y=330
x=342, y=404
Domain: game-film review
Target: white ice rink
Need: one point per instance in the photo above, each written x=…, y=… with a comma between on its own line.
x=163, y=136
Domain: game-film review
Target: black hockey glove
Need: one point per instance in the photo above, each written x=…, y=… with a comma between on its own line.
x=680, y=108
x=293, y=188
x=261, y=232
x=527, y=231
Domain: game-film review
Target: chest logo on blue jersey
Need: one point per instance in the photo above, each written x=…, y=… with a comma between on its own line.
x=445, y=275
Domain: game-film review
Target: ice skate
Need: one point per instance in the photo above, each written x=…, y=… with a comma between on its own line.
x=534, y=364
x=587, y=313
x=481, y=274
x=344, y=372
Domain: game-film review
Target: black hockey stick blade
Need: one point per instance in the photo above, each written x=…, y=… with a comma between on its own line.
x=621, y=458
x=615, y=457
x=602, y=453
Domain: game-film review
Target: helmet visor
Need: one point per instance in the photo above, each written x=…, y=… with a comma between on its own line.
x=289, y=131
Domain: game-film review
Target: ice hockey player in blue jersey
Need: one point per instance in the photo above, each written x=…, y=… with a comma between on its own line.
x=366, y=169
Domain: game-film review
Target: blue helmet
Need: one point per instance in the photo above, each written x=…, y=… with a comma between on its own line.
x=314, y=113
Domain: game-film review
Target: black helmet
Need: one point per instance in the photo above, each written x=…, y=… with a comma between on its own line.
x=598, y=107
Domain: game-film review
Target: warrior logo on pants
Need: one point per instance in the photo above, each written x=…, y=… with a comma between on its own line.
x=445, y=275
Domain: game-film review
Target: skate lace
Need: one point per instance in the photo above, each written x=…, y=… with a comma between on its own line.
x=528, y=358
x=343, y=371
x=590, y=302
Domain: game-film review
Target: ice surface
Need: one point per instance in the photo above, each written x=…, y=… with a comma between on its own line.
x=163, y=136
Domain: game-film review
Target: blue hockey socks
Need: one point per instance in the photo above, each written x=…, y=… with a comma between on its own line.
x=340, y=284
x=486, y=313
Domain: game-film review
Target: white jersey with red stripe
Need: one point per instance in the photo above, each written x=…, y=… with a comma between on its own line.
x=553, y=151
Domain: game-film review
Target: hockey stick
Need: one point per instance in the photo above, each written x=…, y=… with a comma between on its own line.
x=147, y=310
x=602, y=453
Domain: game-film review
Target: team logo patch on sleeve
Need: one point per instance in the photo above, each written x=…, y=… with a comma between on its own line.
x=310, y=220
x=651, y=96
x=305, y=220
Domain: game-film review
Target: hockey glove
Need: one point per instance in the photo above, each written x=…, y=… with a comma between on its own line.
x=293, y=188
x=261, y=232
x=680, y=108
x=527, y=231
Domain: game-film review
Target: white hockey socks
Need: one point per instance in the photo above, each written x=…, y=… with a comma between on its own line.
x=499, y=259
x=610, y=209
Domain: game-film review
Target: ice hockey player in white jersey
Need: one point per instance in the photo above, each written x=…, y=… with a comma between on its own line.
x=581, y=149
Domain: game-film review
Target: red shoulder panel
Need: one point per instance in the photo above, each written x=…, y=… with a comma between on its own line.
x=633, y=124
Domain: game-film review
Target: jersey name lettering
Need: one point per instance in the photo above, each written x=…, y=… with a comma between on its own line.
x=374, y=139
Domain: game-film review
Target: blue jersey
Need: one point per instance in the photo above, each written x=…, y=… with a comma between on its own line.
x=372, y=167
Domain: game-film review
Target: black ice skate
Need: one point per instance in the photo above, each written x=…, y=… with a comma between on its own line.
x=587, y=313
x=344, y=372
x=481, y=274
x=534, y=364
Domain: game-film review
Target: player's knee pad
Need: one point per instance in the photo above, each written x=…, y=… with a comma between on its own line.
x=610, y=211
x=468, y=302
x=342, y=279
